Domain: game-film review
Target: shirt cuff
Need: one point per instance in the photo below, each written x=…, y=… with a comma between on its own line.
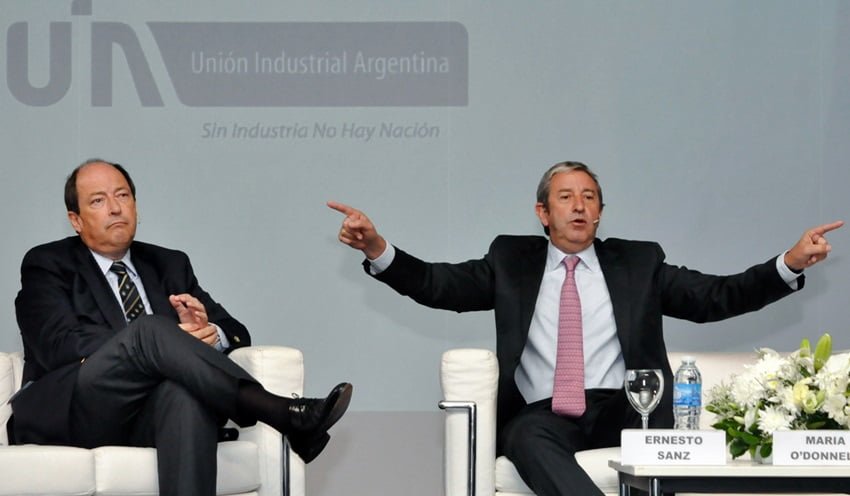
x=223, y=343
x=785, y=272
x=383, y=261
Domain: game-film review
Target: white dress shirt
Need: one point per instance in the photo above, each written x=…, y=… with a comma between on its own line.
x=536, y=371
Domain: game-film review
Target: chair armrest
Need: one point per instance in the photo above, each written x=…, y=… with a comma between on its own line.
x=469, y=376
x=11, y=366
x=281, y=371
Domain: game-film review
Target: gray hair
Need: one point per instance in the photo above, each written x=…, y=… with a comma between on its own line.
x=546, y=181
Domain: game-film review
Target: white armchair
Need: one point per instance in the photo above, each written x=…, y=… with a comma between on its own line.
x=469, y=379
x=257, y=464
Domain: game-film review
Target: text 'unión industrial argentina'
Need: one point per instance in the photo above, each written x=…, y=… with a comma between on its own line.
x=327, y=63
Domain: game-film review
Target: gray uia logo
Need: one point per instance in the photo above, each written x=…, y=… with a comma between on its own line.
x=253, y=64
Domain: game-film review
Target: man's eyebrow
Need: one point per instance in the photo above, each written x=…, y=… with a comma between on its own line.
x=592, y=190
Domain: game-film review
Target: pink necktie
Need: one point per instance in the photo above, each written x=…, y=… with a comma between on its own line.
x=568, y=390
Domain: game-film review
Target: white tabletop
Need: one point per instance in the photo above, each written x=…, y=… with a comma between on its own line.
x=733, y=468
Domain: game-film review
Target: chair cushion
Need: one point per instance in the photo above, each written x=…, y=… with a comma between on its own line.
x=123, y=470
x=57, y=470
x=7, y=387
x=594, y=462
x=507, y=478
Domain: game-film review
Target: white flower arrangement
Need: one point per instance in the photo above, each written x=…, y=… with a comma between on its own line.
x=797, y=391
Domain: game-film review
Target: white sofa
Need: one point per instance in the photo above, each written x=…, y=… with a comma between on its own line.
x=469, y=379
x=253, y=465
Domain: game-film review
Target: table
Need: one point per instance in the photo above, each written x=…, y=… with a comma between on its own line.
x=737, y=476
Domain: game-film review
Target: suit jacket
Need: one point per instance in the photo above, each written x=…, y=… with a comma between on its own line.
x=642, y=287
x=66, y=311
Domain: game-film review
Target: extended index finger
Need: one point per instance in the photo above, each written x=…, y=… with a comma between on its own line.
x=342, y=208
x=828, y=227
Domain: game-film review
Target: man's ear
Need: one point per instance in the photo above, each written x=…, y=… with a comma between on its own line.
x=542, y=213
x=74, y=219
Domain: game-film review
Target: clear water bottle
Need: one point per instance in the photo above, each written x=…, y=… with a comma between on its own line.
x=687, y=395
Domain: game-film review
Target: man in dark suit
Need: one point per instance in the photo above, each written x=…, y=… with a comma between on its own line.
x=122, y=346
x=621, y=289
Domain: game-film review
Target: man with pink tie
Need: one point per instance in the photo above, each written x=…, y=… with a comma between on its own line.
x=572, y=314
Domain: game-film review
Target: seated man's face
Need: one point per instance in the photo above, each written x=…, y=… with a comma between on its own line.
x=107, y=219
x=573, y=211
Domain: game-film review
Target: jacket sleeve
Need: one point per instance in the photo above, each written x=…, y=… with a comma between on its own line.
x=698, y=297
x=53, y=333
x=461, y=287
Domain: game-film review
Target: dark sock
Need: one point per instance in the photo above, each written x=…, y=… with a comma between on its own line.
x=253, y=400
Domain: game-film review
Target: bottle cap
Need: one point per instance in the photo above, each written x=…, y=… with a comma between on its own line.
x=689, y=359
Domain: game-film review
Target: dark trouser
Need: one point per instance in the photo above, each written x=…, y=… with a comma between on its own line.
x=155, y=385
x=542, y=445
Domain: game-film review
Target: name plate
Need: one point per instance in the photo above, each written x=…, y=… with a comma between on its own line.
x=672, y=447
x=811, y=447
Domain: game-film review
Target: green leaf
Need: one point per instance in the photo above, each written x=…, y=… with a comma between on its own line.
x=738, y=448
x=726, y=424
x=748, y=438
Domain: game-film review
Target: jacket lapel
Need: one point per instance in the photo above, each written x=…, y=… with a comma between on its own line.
x=617, y=275
x=154, y=287
x=533, y=265
x=96, y=281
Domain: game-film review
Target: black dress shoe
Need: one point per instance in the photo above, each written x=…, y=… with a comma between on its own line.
x=310, y=419
x=308, y=448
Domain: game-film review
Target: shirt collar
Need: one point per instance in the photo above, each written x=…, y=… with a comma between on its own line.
x=105, y=263
x=589, y=260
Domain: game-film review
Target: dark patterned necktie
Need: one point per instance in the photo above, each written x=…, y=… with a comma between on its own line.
x=130, y=299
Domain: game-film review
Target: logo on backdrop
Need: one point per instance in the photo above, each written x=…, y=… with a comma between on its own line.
x=253, y=64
